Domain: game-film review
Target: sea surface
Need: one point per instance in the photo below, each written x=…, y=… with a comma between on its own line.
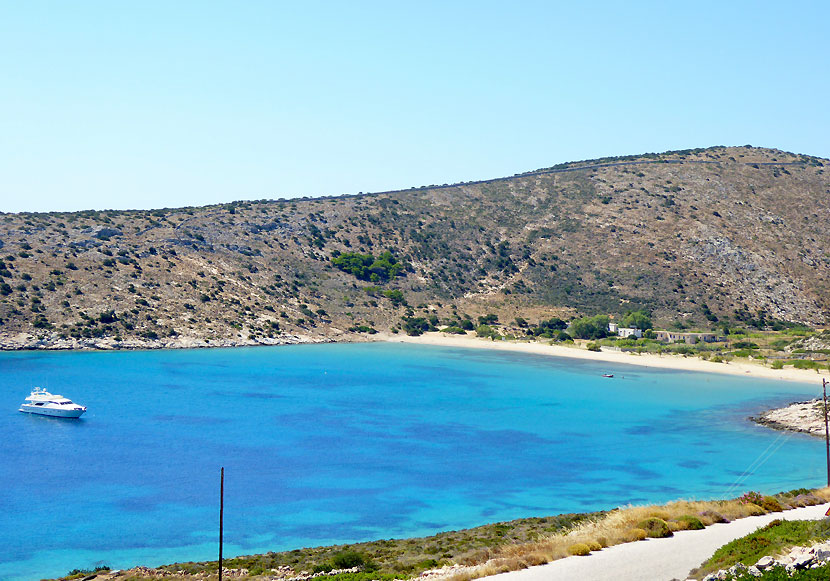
x=325, y=444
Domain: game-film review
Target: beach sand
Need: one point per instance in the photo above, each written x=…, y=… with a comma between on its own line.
x=691, y=363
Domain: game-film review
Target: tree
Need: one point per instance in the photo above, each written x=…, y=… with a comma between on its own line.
x=637, y=320
x=595, y=327
x=367, y=267
x=488, y=319
x=415, y=326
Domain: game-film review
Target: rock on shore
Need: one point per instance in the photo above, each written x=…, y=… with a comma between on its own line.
x=802, y=416
x=798, y=558
x=25, y=341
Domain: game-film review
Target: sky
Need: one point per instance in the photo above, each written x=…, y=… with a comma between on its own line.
x=150, y=104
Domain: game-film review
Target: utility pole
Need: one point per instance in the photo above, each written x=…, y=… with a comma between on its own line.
x=826, y=429
x=222, y=498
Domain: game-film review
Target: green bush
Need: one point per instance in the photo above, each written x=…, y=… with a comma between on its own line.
x=579, y=549
x=367, y=267
x=349, y=559
x=415, y=326
x=594, y=545
x=453, y=330
x=768, y=540
x=805, y=364
x=770, y=504
x=396, y=296
x=487, y=331
x=688, y=522
x=655, y=527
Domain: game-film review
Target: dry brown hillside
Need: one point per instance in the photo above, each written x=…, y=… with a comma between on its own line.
x=690, y=236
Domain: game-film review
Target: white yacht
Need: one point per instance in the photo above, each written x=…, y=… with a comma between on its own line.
x=44, y=403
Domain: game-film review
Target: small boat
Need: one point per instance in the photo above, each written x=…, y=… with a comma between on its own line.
x=44, y=403
x=608, y=375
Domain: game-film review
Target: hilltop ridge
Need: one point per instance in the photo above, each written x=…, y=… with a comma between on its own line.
x=696, y=237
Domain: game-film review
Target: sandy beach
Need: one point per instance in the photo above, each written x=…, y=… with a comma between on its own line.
x=611, y=356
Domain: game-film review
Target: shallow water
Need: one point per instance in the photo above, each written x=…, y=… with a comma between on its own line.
x=339, y=443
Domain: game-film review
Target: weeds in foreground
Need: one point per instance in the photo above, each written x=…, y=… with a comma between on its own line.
x=625, y=525
x=773, y=539
x=779, y=573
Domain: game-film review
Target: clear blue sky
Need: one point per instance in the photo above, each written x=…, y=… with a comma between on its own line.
x=150, y=104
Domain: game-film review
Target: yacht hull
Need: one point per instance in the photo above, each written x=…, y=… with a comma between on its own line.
x=53, y=412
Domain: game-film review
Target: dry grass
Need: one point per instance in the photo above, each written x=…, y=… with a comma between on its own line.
x=620, y=526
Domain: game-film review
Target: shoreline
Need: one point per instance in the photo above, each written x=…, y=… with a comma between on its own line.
x=23, y=342
x=802, y=416
x=676, y=362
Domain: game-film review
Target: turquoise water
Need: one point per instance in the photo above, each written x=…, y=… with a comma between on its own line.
x=338, y=443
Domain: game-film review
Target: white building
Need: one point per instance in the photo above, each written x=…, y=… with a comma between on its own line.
x=624, y=332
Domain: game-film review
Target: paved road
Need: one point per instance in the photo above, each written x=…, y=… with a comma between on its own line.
x=655, y=559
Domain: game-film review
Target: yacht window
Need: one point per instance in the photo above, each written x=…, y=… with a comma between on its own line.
x=39, y=403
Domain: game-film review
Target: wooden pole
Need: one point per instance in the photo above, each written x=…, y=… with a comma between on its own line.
x=826, y=429
x=222, y=510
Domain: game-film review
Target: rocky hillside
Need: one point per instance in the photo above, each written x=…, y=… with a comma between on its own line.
x=696, y=237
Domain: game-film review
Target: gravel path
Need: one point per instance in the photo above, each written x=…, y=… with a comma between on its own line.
x=655, y=559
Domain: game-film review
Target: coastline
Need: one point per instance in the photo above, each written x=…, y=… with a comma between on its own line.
x=677, y=362
x=25, y=342
x=802, y=416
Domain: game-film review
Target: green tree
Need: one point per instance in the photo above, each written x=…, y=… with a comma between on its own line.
x=595, y=327
x=367, y=267
x=416, y=326
x=637, y=320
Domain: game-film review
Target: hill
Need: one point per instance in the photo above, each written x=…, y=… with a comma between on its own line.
x=734, y=235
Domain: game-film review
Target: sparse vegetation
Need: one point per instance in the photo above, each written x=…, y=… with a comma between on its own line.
x=537, y=251
x=518, y=544
x=772, y=539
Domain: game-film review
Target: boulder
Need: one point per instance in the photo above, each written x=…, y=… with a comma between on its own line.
x=803, y=561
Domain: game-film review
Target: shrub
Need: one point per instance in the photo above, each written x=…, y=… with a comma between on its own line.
x=593, y=347
x=579, y=549
x=487, y=331
x=688, y=522
x=415, y=326
x=778, y=364
x=751, y=496
x=655, y=527
x=635, y=535
x=768, y=540
x=770, y=504
x=367, y=267
x=454, y=330
x=805, y=364
x=594, y=545
x=396, y=296
x=348, y=559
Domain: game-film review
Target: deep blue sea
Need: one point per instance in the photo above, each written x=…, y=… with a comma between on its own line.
x=324, y=444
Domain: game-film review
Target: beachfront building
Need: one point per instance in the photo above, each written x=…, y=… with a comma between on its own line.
x=625, y=332
x=688, y=338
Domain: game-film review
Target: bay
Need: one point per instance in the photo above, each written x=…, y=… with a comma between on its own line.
x=335, y=443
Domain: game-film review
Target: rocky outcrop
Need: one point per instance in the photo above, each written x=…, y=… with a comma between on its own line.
x=802, y=416
x=23, y=342
x=799, y=558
